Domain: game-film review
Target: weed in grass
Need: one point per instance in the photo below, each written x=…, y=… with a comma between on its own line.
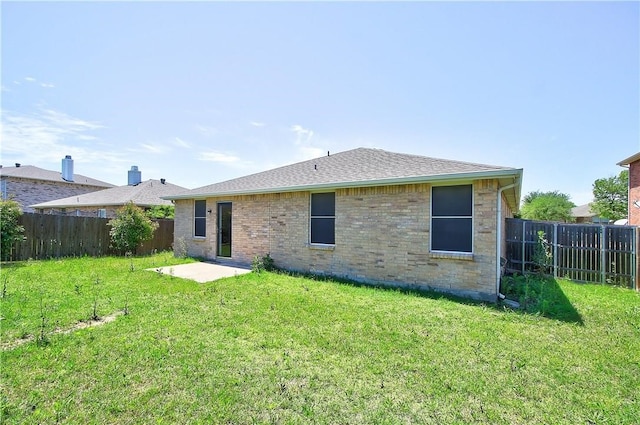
x=96, y=293
x=42, y=338
x=5, y=278
x=125, y=310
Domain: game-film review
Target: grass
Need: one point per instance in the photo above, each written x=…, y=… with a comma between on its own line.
x=272, y=348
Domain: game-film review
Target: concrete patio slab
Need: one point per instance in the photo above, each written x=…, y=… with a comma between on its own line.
x=202, y=271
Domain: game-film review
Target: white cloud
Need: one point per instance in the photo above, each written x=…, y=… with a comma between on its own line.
x=47, y=135
x=146, y=147
x=47, y=85
x=206, y=130
x=221, y=157
x=181, y=143
x=303, y=135
x=257, y=124
x=30, y=79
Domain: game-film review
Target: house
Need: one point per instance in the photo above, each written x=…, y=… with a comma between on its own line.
x=366, y=214
x=105, y=203
x=583, y=214
x=27, y=184
x=633, y=208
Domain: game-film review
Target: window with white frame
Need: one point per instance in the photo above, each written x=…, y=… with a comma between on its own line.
x=200, y=218
x=452, y=218
x=102, y=213
x=323, y=218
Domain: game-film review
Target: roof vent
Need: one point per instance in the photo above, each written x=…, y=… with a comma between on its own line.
x=67, y=168
x=135, y=176
x=163, y=181
x=17, y=165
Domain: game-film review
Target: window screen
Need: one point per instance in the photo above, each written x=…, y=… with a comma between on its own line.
x=323, y=210
x=200, y=220
x=452, y=218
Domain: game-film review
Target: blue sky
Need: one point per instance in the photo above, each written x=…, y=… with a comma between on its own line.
x=203, y=92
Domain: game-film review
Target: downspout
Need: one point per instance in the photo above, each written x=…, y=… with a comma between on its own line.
x=499, y=239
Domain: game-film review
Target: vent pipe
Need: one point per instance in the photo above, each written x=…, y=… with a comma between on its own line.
x=135, y=176
x=67, y=168
x=17, y=165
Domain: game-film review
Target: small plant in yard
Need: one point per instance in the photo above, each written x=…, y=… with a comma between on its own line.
x=94, y=314
x=260, y=264
x=542, y=254
x=42, y=338
x=130, y=227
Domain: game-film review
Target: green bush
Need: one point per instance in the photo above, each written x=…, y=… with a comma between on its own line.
x=10, y=229
x=130, y=227
x=262, y=264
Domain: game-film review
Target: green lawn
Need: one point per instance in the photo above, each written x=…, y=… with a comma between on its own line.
x=271, y=348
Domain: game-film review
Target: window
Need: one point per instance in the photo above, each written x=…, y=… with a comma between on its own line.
x=200, y=219
x=323, y=218
x=3, y=188
x=452, y=218
x=102, y=213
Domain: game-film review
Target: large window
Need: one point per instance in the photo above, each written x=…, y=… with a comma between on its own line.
x=323, y=218
x=452, y=218
x=200, y=219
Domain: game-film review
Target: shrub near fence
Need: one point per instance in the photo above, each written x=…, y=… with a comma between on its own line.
x=581, y=252
x=56, y=236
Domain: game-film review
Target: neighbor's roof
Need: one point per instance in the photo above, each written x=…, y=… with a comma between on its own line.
x=147, y=194
x=629, y=160
x=357, y=168
x=35, y=173
x=582, y=211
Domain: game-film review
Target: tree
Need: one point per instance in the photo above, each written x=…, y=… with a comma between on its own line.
x=610, y=196
x=547, y=206
x=130, y=227
x=9, y=228
x=161, y=211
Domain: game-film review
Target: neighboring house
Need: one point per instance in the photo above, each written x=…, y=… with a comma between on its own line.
x=583, y=214
x=633, y=208
x=364, y=214
x=29, y=185
x=105, y=203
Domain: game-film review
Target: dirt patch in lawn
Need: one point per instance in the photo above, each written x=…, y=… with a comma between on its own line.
x=76, y=327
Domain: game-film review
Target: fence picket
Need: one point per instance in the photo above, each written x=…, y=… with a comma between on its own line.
x=590, y=253
x=55, y=236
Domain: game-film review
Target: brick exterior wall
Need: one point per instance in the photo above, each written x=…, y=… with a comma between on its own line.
x=634, y=193
x=382, y=237
x=29, y=192
x=92, y=211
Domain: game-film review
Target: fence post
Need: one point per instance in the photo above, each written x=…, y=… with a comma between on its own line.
x=522, y=241
x=636, y=249
x=555, y=250
x=603, y=268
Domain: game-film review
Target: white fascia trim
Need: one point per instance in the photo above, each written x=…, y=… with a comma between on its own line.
x=367, y=183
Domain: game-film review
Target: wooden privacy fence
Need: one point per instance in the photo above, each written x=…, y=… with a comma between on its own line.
x=581, y=252
x=56, y=236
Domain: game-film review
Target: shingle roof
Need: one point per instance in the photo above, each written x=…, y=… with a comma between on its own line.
x=147, y=193
x=629, y=160
x=35, y=173
x=354, y=168
x=582, y=211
